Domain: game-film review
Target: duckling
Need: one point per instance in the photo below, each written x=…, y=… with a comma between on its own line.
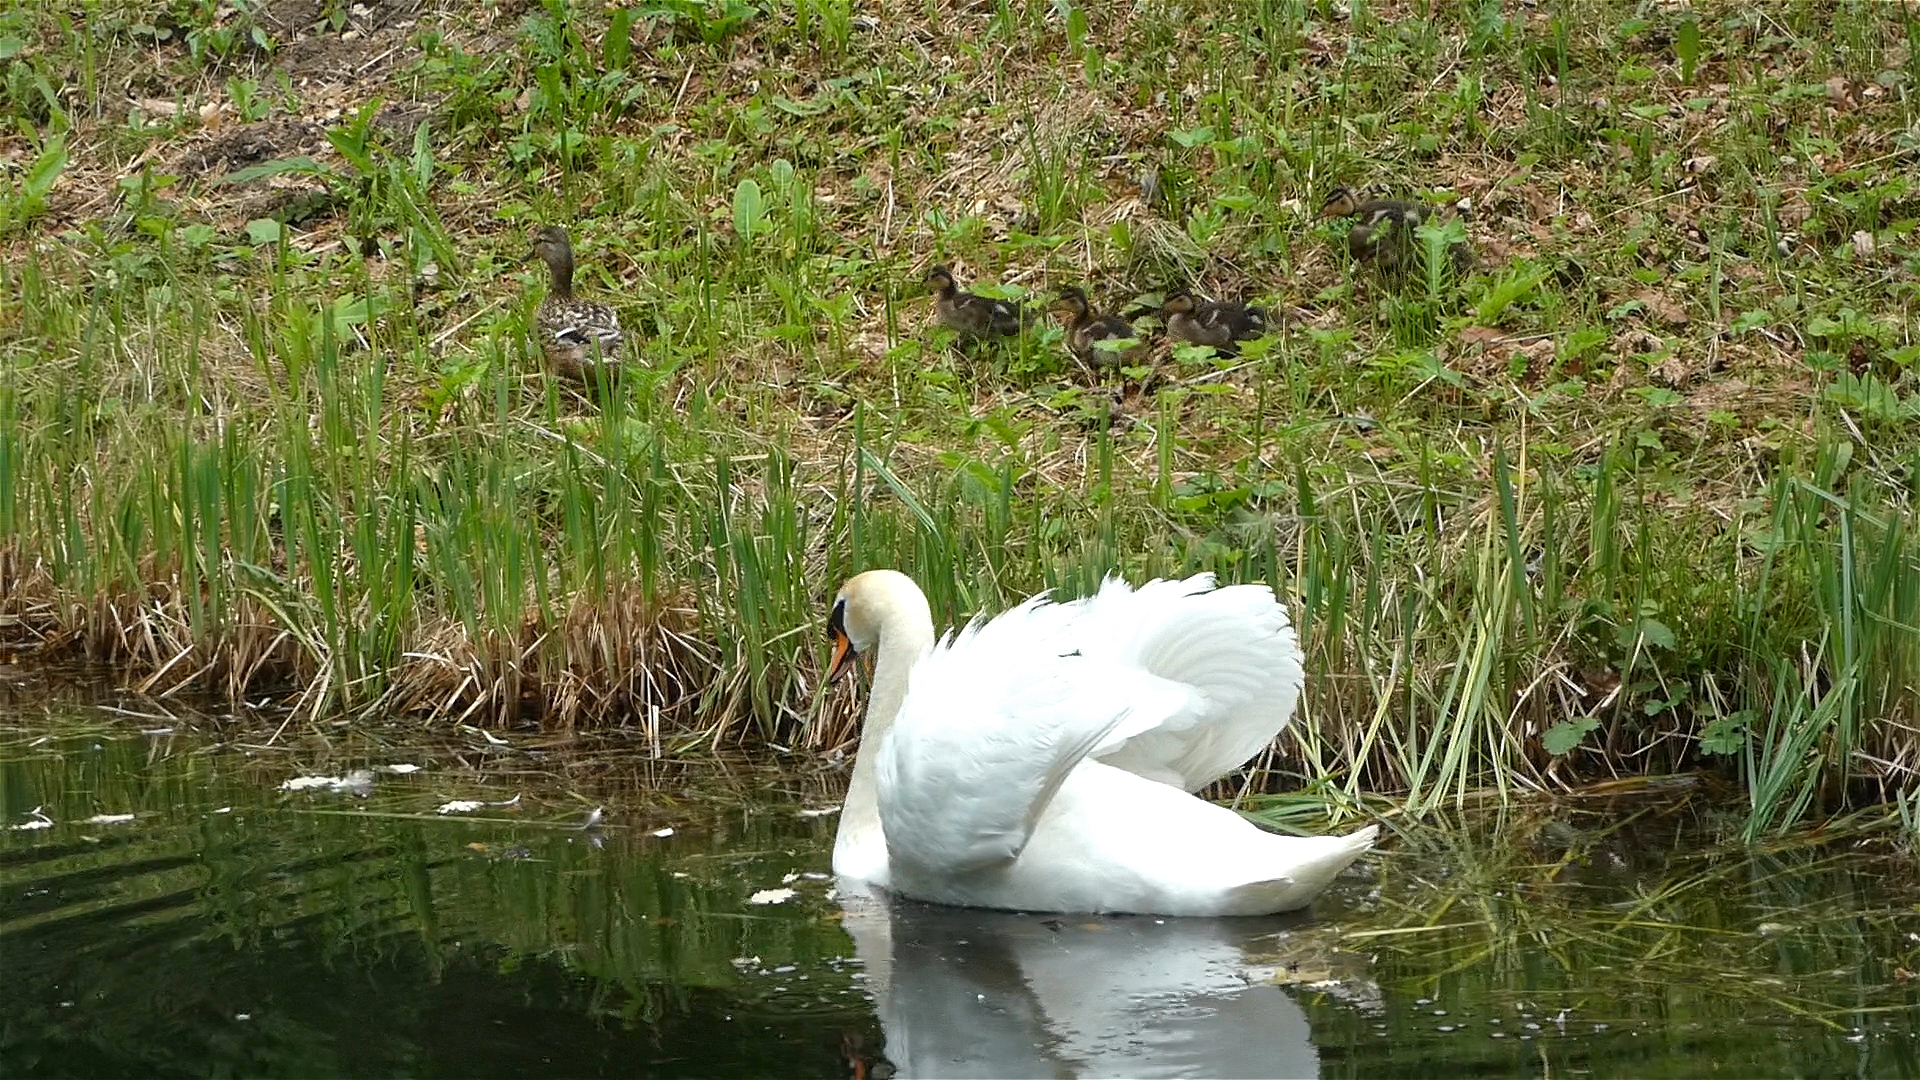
x=1382, y=233
x=1219, y=325
x=1086, y=328
x=970, y=315
x=576, y=337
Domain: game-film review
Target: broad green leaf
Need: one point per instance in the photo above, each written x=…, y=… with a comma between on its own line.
x=1561, y=738
x=1727, y=735
x=749, y=209
x=264, y=231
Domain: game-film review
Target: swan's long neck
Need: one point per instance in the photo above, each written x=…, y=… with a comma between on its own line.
x=906, y=634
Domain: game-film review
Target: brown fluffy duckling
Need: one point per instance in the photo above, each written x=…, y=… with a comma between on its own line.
x=969, y=315
x=1086, y=328
x=1219, y=325
x=575, y=336
x=1382, y=234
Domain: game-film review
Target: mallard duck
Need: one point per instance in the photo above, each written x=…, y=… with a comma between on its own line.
x=1086, y=328
x=969, y=315
x=1044, y=760
x=1219, y=325
x=1382, y=234
x=575, y=336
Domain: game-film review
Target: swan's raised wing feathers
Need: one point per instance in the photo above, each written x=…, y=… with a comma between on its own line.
x=992, y=724
x=1233, y=647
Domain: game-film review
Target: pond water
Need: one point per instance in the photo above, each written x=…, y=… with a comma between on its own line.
x=231, y=926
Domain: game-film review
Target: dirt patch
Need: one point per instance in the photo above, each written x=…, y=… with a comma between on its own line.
x=314, y=46
x=248, y=145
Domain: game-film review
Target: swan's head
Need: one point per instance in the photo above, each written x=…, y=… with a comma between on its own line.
x=867, y=605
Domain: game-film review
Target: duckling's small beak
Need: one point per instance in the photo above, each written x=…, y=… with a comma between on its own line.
x=842, y=655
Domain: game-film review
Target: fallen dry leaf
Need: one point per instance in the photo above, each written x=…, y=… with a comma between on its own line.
x=1639, y=341
x=1672, y=371
x=1664, y=307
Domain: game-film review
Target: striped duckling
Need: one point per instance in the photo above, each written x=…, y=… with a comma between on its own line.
x=1086, y=328
x=1220, y=325
x=1382, y=234
x=970, y=315
x=576, y=336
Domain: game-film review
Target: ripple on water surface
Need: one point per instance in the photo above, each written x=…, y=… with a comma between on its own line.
x=170, y=905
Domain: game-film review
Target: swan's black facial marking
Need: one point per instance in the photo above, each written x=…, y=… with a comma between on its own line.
x=843, y=650
x=837, y=622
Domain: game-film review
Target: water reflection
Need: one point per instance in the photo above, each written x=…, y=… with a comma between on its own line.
x=968, y=993
x=231, y=927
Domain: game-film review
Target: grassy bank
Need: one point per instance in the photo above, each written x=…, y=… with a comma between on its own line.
x=1633, y=497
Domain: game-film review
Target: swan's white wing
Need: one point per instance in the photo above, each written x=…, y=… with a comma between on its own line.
x=1233, y=648
x=993, y=722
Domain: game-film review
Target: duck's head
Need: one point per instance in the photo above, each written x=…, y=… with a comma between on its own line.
x=940, y=280
x=1340, y=202
x=864, y=607
x=1070, y=302
x=1178, y=302
x=551, y=246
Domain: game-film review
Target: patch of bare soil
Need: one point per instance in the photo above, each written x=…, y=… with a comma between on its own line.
x=249, y=144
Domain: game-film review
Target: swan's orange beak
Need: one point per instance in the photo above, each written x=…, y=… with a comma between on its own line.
x=842, y=655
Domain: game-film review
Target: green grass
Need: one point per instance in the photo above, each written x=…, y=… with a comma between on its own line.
x=1632, y=497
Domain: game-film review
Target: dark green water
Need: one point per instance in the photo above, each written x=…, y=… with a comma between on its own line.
x=232, y=928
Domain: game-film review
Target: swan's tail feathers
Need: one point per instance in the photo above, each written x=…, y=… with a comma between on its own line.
x=1233, y=647
x=1303, y=881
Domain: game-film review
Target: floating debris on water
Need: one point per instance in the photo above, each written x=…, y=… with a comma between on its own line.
x=460, y=806
x=772, y=896
x=108, y=819
x=820, y=812
x=666, y=832
x=397, y=770
x=40, y=821
x=305, y=783
x=359, y=782
x=492, y=739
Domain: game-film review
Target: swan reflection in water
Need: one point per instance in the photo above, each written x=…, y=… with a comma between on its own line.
x=967, y=992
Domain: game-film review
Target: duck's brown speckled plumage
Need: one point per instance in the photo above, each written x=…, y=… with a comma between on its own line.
x=1086, y=328
x=575, y=336
x=970, y=315
x=1220, y=325
x=1382, y=234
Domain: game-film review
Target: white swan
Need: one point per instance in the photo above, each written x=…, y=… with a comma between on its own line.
x=1043, y=761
